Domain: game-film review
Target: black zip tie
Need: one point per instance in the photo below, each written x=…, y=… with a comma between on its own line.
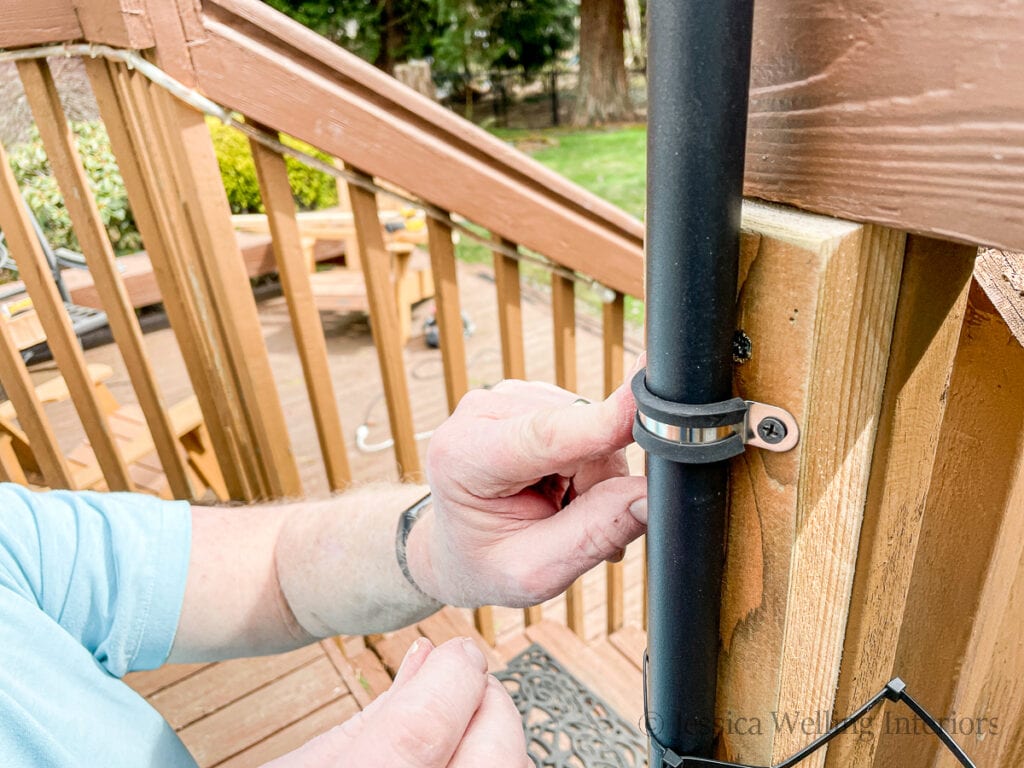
x=894, y=690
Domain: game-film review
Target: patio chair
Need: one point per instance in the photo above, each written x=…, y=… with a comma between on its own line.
x=128, y=425
x=84, y=320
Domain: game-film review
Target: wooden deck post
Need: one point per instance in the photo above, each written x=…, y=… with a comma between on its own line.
x=817, y=298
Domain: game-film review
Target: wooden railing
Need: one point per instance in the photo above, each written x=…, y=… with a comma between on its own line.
x=884, y=544
x=166, y=158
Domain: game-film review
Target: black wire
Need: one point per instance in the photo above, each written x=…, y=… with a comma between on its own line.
x=895, y=690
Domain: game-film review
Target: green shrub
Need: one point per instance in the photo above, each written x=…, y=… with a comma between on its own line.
x=32, y=170
x=311, y=189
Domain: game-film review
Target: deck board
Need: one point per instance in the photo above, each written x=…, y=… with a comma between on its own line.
x=263, y=712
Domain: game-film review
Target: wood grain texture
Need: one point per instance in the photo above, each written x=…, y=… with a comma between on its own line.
x=120, y=23
x=1001, y=275
x=925, y=96
x=275, y=79
x=263, y=712
x=37, y=22
x=376, y=263
x=293, y=736
x=62, y=153
x=513, y=352
x=563, y=315
x=817, y=298
x=276, y=194
x=219, y=265
x=925, y=338
x=217, y=685
x=953, y=648
x=139, y=145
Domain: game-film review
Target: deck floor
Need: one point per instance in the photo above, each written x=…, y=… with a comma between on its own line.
x=245, y=712
x=248, y=711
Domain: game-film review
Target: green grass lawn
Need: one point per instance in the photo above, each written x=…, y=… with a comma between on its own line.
x=610, y=163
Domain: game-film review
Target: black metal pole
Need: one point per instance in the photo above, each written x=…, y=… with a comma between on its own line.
x=698, y=81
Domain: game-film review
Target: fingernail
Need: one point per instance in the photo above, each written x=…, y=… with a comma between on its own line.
x=475, y=655
x=412, y=651
x=638, y=509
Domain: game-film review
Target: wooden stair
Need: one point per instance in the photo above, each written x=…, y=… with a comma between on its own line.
x=246, y=712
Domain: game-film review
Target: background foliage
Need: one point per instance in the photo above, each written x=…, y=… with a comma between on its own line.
x=311, y=189
x=458, y=35
x=32, y=170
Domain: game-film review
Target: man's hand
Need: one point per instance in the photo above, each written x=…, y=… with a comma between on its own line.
x=442, y=711
x=500, y=470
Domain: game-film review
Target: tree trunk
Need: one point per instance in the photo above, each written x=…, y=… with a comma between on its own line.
x=392, y=36
x=602, y=95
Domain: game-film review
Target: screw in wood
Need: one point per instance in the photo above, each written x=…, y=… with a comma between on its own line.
x=771, y=430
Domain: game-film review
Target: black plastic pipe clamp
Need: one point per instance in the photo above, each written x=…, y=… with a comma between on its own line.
x=702, y=434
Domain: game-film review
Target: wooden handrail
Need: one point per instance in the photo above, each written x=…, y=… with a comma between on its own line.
x=256, y=61
x=905, y=81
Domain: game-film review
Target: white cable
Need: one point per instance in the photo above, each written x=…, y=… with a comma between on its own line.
x=363, y=431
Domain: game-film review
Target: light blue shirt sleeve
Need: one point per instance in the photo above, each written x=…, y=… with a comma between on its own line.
x=109, y=568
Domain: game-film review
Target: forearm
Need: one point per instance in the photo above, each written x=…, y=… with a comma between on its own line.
x=337, y=568
x=272, y=578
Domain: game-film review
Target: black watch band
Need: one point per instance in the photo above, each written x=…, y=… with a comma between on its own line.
x=405, y=524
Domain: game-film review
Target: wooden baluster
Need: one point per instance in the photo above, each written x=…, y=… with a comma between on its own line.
x=123, y=99
x=60, y=336
x=230, y=301
x=613, y=313
x=513, y=354
x=563, y=311
x=449, y=313
x=31, y=417
x=376, y=262
x=309, y=337
x=43, y=99
x=510, y=313
x=453, y=349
